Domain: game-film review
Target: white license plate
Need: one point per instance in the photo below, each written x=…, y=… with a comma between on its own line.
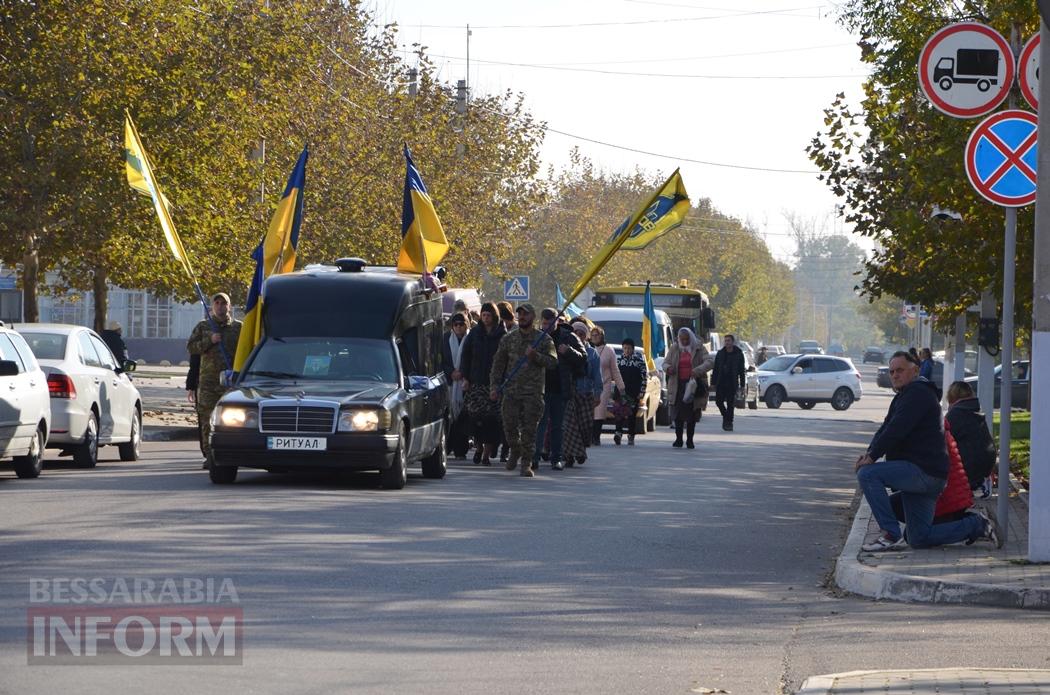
x=297, y=443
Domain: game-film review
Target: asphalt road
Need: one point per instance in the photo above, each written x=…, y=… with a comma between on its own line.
x=649, y=570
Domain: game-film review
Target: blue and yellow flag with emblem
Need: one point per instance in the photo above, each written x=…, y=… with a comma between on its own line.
x=423, y=242
x=652, y=337
x=667, y=212
x=274, y=255
x=664, y=211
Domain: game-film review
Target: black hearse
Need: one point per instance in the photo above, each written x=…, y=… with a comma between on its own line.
x=347, y=377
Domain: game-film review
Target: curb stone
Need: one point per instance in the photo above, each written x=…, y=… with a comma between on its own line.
x=981, y=679
x=855, y=577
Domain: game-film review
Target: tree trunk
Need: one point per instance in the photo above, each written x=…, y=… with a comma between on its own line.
x=101, y=292
x=30, y=277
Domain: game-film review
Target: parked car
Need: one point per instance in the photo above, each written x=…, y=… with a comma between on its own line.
x=808, y=380
x=750, y=384
x=774, y=350
x=810, y=347
x=1021, y=388
x=93, y=402
x=25, y=407
x=836, y=350
x=874, y=354
x=882, y=378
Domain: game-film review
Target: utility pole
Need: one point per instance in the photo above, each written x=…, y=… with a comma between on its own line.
x=467, y=83
x=1039, y=471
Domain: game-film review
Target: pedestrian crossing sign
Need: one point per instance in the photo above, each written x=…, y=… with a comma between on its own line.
x=516, y=289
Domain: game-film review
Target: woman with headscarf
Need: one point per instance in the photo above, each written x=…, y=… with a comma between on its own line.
x=452, y=344
x=686, y=360
x=579, y=412
x=482, y=343
x=609, y=374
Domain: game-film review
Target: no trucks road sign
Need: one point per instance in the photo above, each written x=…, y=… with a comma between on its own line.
x=966, y=69
x=1001, y=158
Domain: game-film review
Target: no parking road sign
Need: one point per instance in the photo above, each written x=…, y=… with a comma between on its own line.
x=1001, y=158
x=966, y=69
x=1028, y=71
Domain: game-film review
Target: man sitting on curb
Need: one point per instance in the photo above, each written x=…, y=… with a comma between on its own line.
x=916, y=464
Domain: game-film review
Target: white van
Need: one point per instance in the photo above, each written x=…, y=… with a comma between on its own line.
x=626, y=322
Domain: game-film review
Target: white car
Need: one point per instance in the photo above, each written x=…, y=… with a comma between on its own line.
x=93, y=402
x=25, y=407
x=808, y=380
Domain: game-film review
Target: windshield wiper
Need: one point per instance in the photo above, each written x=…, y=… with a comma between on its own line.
x=274, y=375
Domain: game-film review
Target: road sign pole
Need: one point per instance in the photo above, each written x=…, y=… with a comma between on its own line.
x=1039, y=471
x=1009, y=259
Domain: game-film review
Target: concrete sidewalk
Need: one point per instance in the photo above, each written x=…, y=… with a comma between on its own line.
x=977, y=574
x=973, y=681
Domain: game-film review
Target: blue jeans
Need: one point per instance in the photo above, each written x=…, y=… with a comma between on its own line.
x=553, y=413
x=919, y=493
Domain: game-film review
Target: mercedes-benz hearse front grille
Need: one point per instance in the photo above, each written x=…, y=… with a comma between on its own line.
x=299, y=418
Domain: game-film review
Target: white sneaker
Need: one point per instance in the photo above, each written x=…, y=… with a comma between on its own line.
x=882, y=544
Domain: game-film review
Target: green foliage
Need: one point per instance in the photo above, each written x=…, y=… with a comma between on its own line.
x=894, y=158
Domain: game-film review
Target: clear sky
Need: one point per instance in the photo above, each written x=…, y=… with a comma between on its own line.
x=748, y=83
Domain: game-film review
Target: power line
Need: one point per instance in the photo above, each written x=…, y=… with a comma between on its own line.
x=703, y=57
x=785, y=13
x=633, y=22
x=622, y=73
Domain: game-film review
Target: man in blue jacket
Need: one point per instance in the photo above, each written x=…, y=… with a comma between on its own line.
x=912, y=440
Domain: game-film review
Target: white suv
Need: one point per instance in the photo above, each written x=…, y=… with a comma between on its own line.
x=25, y=406
x=808, y=380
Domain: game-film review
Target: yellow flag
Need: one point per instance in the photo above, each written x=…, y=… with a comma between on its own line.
x=663, y=209
x=423, y=242
x=140, y=178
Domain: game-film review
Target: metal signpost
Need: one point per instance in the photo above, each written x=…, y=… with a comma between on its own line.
x=967, y=70
x=1039, y=466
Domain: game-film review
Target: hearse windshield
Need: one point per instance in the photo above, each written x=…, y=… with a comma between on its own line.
x=324, y=359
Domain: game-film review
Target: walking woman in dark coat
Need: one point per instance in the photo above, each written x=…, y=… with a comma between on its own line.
x=482, y=343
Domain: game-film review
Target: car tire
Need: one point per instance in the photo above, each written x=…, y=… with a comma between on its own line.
x=30, y=465
x=85, y=454
x=806, y=405
x=395, y=477
x=222, y=475
x=129, y=451
x=842, y=399
x=436, y=465
x=775, y=396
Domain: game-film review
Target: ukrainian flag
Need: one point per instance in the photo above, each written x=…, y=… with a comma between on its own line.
x=652, y=337
x=666, y=212
x=140, y=177
x=652, y=220
x=274, y=255
x=572, y=309
x=423, y=242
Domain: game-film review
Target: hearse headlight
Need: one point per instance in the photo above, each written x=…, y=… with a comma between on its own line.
x=364, y=420
x=238, y=416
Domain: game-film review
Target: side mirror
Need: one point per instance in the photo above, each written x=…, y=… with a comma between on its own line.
x=8, y=368
x=751, y=368
x=796, y=370
x=418, y=383
x=129, y=366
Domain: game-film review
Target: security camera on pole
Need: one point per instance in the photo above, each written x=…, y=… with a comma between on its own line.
x=967, y=70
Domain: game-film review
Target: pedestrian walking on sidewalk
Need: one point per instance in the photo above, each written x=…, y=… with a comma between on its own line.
x=728, y=377
x=916, y=463
x=687, y=364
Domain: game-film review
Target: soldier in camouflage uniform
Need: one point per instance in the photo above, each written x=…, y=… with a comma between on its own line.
x=204, y=341
x=523, y=396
